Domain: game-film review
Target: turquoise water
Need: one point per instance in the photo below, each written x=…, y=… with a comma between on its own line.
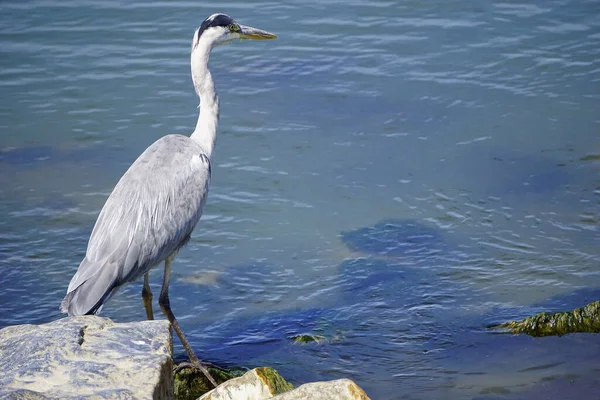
x=394, y=176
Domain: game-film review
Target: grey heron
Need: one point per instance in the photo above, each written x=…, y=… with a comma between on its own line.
x=156, y=204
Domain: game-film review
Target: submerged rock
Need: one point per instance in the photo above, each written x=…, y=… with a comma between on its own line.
x=341, y=389
x=395, y=238
x=585, y=319
x=308, y=338
x=257, y=384
x=86, y=356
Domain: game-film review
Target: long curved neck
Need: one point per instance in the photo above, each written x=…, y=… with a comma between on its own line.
x=205, y=133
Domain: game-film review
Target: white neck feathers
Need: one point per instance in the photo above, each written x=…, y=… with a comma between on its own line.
x=205, y=133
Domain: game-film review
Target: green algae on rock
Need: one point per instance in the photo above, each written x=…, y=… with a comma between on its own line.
x=189, y=384
x=276, y=383
x=308, y=338
x=585, y=320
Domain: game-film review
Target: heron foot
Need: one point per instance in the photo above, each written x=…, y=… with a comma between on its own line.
x=199, y=366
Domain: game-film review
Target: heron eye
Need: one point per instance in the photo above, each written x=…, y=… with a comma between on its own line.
x=234, y=27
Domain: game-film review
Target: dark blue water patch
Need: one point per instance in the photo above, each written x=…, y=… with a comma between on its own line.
x=234, y=331
x=249, y=338
x=564, y=386
x=392, y=284
x=427, y=305
x=508, y=172
x=569, y=301
x=530, y=175
x=547, y=364
x=241, y=284
x=29, y=155
x=377, y=306
x=25, y=298
x=396, y=238
x=497, y=398
x=532, y=363
x=424, y=313
x=37, y=247
x=26, y=209
x=38, y=155
x=409, y=320
x=250, y=342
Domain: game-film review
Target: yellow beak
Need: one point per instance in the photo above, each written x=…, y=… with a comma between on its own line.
x=248, y=32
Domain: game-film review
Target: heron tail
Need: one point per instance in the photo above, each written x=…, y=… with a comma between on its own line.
x=88, y=292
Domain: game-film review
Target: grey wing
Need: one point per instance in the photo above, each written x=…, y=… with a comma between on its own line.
x=149, y=215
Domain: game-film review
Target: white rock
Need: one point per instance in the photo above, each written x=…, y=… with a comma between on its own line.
x=85, y=357
x=340, y=389
x=256, y=384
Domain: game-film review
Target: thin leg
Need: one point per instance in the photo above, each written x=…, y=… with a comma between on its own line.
x=165, y=306
x=147, y=298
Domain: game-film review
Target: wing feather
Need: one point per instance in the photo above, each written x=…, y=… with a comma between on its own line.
x=149, y=215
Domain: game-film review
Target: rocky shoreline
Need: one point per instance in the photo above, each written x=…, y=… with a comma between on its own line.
x=94, y=357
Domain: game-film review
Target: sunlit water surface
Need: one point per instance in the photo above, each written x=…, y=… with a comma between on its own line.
x=393, y=176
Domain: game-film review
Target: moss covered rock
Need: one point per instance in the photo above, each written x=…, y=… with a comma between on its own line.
x=584, y=319
x=308, y=338
x=259, y=383
x=189, y=383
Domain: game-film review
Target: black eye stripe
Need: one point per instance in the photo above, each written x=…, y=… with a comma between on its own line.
x=215, y=20
x=221, y=20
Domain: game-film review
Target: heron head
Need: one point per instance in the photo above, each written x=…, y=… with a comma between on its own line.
x=221, y=28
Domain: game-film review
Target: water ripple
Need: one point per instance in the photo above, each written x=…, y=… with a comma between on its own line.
x=471, y=127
